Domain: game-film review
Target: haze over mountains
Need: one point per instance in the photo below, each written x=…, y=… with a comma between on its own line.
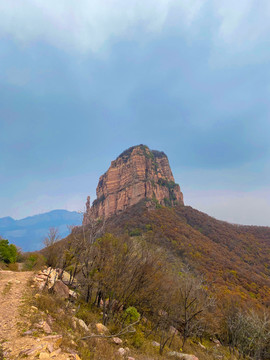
x=137, y=174
x=141, y=247
x=29, y=233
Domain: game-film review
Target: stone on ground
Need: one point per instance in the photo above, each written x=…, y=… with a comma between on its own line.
x=101, y=329
x=182, y=356
x=61, y=289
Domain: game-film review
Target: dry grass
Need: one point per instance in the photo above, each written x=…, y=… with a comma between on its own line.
x=62, y=312
x=13, y=267
x=58, y=313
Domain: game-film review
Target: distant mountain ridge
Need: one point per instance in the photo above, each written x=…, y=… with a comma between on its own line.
x=28, y=233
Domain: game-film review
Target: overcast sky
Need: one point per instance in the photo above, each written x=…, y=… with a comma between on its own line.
x=81, y=81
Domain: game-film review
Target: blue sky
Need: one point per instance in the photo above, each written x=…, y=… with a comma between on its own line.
x=80, y=81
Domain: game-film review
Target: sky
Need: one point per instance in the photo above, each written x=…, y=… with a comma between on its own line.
x=81, y=81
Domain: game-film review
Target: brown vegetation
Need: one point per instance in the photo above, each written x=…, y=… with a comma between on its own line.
x=181, y=270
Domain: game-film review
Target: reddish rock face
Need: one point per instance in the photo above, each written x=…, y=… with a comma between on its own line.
x=138, y=173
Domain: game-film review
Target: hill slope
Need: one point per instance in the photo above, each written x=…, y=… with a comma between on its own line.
x=233, y=258
x=142, y=260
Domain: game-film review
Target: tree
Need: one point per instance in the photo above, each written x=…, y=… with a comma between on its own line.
x=183, y=312
x=8, y=252
x=192, y=301
x=86, y=253
x=249, y=333
x=49, y=242
x=52, y=237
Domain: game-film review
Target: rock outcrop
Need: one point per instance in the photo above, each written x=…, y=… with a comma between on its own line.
x=138, y=173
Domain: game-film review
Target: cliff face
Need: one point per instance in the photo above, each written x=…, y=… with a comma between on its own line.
x=138, y=173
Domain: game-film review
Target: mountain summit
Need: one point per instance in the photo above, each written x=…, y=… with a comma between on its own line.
x=138, y=173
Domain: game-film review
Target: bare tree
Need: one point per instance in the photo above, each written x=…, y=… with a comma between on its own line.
x=249, y=333
x=52, y=237
x=49, y=242
x=193, y=301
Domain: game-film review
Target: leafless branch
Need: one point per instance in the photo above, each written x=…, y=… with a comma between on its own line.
x=127, y=329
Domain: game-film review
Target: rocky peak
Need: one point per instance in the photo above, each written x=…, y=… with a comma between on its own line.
x=138, y=173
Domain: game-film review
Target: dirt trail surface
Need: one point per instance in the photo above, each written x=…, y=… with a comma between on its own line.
x=12, y=287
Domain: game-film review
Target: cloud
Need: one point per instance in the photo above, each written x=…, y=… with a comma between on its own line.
x=90, y=25
x=160, y=83
x=243, y=21
x=84, y=25
x=247, y=208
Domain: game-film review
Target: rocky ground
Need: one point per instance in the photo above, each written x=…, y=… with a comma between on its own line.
x=39, y=319
x=13, y=287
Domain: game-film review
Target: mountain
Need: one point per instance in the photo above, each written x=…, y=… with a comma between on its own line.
x=29, y=233
x=138, y=173
x=195, y=279
x=6, y=221
x=138, y=196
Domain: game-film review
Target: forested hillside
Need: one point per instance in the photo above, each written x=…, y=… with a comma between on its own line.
x=179, y=269
x=233, y=258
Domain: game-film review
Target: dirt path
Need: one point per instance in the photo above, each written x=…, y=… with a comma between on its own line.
x=12, y=286
x=12, y=344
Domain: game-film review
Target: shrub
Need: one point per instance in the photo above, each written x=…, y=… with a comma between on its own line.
x=34, y=261
x=13, y=267
x=137, y=339
x=8, y=252
x=131, y=315
x=87, y=314
x=135, y=232
x=148, y=227
x=158, y=205
x=167, y=202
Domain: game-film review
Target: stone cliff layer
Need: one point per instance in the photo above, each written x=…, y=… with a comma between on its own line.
x=138, y=173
